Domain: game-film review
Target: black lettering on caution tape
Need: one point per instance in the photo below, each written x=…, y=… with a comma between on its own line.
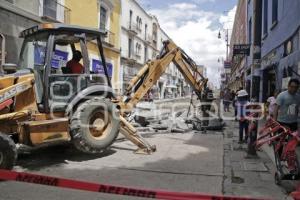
x=128, y=192
x=37, y=179
x=225, y=198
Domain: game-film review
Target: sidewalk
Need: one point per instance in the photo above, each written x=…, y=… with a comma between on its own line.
x=247, y=177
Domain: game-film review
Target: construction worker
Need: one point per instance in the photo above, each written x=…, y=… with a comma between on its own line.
x=241, y=106
x=287, y=105
x=271, y=103
x=73, y=65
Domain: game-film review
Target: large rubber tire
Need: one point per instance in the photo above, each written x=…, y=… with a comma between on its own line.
x=95, y=125
x=297, y=150
x=8, y=152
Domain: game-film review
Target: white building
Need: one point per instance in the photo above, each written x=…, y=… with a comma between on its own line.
x=141, y=40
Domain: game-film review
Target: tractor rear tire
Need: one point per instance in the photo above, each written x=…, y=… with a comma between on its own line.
x=8, y=152
x=95, y=125
x=297, y=151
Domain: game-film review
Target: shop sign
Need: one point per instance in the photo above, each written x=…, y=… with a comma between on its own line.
x=227, y=64
x=241, y=49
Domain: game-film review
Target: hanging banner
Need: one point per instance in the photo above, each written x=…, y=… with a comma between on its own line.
x=59, y=59
x=98, y=68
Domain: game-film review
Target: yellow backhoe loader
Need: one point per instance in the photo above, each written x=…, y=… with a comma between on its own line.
x=42, y=102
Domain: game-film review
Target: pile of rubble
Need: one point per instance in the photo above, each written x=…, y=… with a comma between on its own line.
x=148, y=118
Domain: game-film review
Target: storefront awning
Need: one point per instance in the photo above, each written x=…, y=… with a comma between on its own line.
x=290, y=60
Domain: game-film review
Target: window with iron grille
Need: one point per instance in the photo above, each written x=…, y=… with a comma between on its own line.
x=50, y=8
x=265, y=24
x=103, y=18
x=274, y=11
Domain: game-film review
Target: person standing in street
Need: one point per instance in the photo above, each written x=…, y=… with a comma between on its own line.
x=241, y=104
x=233, y=94
x=226, y=100
x=271, y=103
x=286, y=109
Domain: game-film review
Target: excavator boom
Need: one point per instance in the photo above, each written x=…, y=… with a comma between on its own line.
x=149, y=75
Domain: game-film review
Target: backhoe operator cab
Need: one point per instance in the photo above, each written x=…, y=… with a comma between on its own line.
x=44, y=102
x=48, y=48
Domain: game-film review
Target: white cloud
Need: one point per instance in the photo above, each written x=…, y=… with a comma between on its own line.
x=183, y=6
x=192, y=29
x=202, y=1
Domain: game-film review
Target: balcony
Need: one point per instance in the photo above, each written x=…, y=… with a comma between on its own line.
x=133, y=28
x=154, y=37
x=130, y=59
x=137, y=55
x=55, y=12
x=148, y=39
x=110, y=38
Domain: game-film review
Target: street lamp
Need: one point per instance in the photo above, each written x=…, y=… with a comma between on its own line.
x=226, y=40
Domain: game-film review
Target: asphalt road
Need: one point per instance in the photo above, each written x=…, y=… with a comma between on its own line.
x=189, y=162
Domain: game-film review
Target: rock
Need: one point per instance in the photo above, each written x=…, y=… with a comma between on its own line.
x=177, y=130
x=144, y=129
x=159, y=127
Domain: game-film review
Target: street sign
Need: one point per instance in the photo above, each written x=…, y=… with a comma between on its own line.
x=256, y=61
x=227, y=70
x=241, y=49
x=227, y=64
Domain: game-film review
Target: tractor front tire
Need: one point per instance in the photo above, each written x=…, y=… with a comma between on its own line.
x=95, y=125
x=8, y=152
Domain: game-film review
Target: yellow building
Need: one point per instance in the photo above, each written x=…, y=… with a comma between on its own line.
x=105, y=15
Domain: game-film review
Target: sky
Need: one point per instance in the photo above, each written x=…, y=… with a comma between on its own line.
x=194, y=26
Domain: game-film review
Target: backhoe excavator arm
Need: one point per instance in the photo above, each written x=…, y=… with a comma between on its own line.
x=148, y=76
x=153, y=70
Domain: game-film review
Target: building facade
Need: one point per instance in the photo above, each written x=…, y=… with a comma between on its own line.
x=139, y=33
x=142, y=40
x=249, y=65
x=238, y=37
x=280, y=49
x=104, y=15
x=17, y=15
x=133, y=36
x=273, y=32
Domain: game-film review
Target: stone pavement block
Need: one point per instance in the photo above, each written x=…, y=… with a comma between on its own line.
x=239, y=147
x=251, y=179
x=264, y=192
x=227, y=147
x=236, y=165
x=266, y=176
x=254, y=166
x=237, y=155
x=227, y=186
x=227, y=171
x=227, y=162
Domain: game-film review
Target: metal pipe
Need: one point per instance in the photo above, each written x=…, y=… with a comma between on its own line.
x=132, y=135
x=15, y=115
x=2, y=53
x=135, y=79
